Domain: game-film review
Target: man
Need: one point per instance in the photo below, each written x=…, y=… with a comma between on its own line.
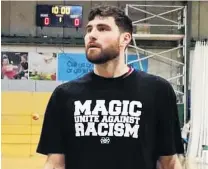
x=114, y=117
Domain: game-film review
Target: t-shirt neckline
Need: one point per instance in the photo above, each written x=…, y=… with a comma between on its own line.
x=122, y=77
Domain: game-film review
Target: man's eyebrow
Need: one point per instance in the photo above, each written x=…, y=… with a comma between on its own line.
x=88, y=26
x=101, y=24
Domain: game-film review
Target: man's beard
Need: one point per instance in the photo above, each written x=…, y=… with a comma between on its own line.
x=100, y=56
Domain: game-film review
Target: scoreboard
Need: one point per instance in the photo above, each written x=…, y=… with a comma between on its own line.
x=59, y=16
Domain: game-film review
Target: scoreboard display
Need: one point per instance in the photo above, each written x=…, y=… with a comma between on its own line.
x=59, y=16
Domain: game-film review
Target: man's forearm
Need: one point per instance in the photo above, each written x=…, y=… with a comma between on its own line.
x=51, y=166
x=171, y=162
x=176, y=164
x=55, y=161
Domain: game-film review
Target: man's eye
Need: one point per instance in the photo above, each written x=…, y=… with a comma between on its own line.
x=88, y=30
x=102, y=29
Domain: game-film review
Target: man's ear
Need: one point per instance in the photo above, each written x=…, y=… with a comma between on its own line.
x=125, y=39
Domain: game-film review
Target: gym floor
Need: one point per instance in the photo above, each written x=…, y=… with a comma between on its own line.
x=37, y=162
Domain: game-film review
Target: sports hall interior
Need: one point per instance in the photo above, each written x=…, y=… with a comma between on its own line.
x=165, y=36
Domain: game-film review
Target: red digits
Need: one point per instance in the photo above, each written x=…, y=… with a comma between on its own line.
x=46, y=21
x=76, y=22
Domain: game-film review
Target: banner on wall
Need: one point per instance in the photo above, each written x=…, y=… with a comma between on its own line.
x=14, y=65
x=42, y=66
x=72, y=66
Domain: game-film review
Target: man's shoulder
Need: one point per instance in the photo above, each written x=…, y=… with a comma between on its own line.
x=75, y=84
x=148, y=76
x=152, y=80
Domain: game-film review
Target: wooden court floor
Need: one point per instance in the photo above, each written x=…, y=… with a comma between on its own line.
x=37, y=162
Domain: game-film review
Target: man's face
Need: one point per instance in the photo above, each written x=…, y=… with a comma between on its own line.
x=5, y=61
x=23, y=59
x=102, y=40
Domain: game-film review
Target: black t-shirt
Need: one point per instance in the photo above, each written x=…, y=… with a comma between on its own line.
x=112, y=123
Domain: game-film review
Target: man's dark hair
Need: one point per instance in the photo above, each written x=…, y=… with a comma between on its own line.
x=123, y=22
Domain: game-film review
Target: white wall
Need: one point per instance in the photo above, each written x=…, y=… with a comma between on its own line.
x=51, y=49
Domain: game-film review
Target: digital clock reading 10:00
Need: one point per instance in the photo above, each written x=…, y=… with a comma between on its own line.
x=59, y=16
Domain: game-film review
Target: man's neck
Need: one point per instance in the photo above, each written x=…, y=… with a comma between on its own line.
x=111, y=69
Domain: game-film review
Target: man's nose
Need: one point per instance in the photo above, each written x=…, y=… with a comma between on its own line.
x=93, y=34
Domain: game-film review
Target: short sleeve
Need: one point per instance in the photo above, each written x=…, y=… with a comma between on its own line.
x=51, y=138
x=169, y=141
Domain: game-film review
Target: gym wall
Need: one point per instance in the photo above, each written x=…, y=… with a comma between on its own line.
x=154, y=65
x=19, y=17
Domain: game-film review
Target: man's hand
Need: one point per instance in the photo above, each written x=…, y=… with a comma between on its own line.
x=169, y=162
x=55, y=161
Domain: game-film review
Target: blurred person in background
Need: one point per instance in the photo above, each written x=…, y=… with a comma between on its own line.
x=23, y=71
x=8, y=69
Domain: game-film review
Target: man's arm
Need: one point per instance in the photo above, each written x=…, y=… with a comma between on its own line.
x=55, y=161
x=169, y=141
x=169, y=162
